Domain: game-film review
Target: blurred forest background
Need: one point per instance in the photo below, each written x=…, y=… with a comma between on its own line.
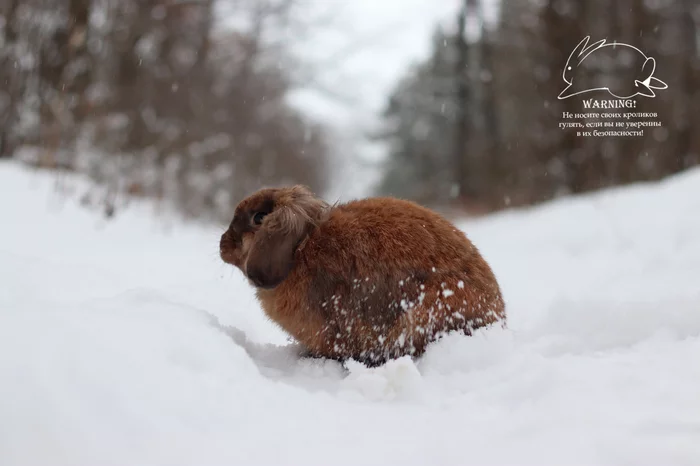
x=151, y=98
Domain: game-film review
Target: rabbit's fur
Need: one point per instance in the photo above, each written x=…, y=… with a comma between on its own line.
x=371, y=279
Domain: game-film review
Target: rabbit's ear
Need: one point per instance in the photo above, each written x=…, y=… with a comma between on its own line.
x=583, y=49
x=271, y=255
x=578, y=50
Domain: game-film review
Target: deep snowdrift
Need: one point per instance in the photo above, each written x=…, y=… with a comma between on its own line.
x=123, y=344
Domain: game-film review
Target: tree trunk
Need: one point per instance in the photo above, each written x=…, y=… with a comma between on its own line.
x=10, y=82
x=491, y=136
x=459, y=152
x=690, y=83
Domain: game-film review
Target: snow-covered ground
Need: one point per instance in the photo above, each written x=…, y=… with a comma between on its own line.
x=124, y=344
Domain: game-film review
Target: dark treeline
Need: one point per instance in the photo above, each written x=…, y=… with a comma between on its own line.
x=151, y=98
x=157, y=98
x=477, y=125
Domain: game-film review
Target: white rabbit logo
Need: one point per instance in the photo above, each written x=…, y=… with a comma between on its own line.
x=623, y=55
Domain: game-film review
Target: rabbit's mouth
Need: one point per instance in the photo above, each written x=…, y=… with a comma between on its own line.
x=227, y=256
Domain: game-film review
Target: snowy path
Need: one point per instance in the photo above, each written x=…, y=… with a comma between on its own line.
x=123, y=345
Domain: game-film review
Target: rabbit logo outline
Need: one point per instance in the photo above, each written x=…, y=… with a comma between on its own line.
x=644, y=83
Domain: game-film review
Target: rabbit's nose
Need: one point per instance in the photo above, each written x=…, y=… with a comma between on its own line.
x=224, y=242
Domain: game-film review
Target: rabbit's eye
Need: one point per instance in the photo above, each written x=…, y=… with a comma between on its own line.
x=258, y=217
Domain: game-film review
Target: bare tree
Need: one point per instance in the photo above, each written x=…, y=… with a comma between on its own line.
x=9, y=76
x=155, y=98
x=461, y=137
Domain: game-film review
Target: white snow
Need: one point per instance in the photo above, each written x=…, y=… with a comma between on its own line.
x=124, y=344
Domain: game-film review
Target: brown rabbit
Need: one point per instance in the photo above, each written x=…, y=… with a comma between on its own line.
x=371, y=279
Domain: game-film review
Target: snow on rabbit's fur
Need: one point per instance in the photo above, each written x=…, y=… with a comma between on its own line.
x=123, y=342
